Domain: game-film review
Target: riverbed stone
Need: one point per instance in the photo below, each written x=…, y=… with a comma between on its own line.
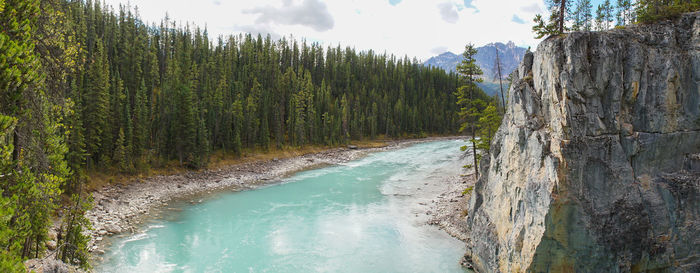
x=112, y=228
x=592, y=169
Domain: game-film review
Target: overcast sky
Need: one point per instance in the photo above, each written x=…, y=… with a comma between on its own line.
x=417, y=28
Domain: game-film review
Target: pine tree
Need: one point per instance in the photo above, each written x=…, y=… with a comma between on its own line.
x=373, y=120
x=582, y=16
x=252, y=122
x=345, y=118
x=237, y=112
x=467, y=99
x=609, y=12
x=587, y=11
x=264, y=134
x=77, y=153
x=120, y=152
x=557, y=19
x=298, y=117
x=73, y=247
x=624, y=12
x=604, y=16
x=140, y=131
x=96, y=100
x=310, y=110
x=186, y=142
x=489, y=121
x=10, y=255
x=201, y=152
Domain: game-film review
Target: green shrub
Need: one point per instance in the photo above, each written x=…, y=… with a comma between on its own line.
x=650, y=11
x=468, y=191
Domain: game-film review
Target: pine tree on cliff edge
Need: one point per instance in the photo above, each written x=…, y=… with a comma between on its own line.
x=557, y=19
x=466, y=99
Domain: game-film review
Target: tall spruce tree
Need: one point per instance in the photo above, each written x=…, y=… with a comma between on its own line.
x=96, y=101
x=624, y=13
x=467, y=98
x=582, y=16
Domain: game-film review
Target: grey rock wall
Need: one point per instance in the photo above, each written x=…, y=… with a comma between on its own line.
x=596, y=167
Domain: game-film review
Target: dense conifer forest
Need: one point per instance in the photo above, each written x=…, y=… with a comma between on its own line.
x=170, y=91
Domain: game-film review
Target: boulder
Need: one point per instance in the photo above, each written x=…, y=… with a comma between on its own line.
x=112, y=228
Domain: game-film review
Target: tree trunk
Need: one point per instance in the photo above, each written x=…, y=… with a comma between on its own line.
x=500, y=82
x=476, y=166
x=562, y=11
x=471, y=100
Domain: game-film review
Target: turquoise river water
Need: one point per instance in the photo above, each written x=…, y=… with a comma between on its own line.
x=366, y=215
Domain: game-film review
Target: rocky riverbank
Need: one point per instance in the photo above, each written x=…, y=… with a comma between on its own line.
x=120, y=209
x=448, y=210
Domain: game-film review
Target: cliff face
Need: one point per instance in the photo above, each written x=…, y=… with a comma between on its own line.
x=595, y=167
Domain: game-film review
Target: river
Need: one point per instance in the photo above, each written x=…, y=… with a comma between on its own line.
x=366, y=215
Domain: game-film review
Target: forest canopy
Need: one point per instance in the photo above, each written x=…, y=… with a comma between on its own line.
x=172, y=92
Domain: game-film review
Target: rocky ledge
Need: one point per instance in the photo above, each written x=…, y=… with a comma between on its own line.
x=595, y=167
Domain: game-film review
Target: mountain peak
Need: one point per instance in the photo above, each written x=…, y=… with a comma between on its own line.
x=447, y=54
x=509, y=54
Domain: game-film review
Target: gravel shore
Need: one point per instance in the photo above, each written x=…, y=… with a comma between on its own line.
x=447, y=210
x=120, y=209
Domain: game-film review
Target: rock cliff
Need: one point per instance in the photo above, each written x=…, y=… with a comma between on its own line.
x=595, y=167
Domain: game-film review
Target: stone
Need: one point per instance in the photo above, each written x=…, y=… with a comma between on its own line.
x=51, y=245
x=627, y=129
x=112, y=228
x=49, y=265
x=352, y=147
x=591, y=170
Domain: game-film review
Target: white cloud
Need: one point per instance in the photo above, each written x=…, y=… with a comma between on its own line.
x=533, y=8
x=413, y=27
x=448, y=12
x=438, y=50
x=310, y=13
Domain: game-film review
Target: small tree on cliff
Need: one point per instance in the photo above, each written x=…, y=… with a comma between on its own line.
x=557, y=19
x=488, y=122
x=468, y=99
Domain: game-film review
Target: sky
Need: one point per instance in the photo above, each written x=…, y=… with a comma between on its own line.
x=416, y=28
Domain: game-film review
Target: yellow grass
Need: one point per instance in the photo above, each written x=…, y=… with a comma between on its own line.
x=219, y=160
